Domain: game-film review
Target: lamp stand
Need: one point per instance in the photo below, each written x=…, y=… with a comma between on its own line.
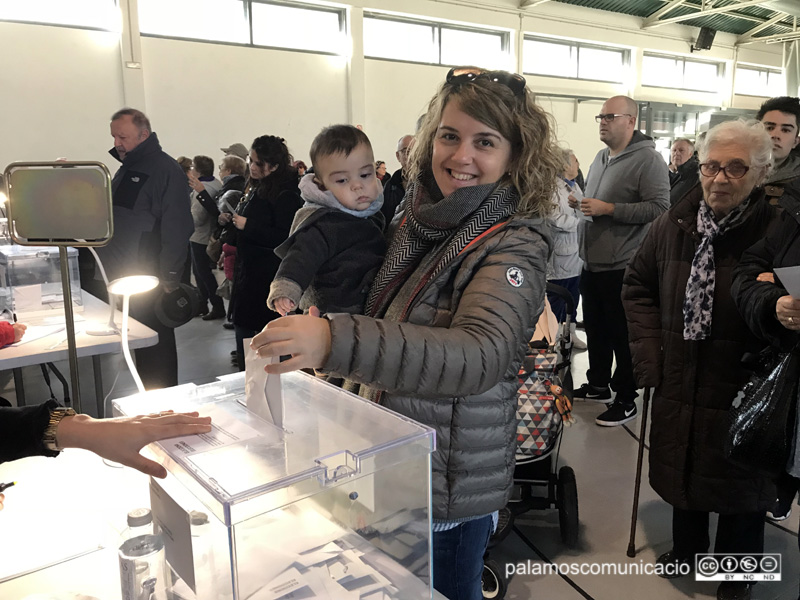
x=72, y=347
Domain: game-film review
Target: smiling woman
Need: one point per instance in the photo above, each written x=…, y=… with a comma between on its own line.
x=453, y=305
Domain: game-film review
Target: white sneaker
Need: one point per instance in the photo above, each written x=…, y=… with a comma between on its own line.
x=577, y=343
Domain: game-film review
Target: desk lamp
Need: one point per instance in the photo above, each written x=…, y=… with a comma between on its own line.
x=126, y=287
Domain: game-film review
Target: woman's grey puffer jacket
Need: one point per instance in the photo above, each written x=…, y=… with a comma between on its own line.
x=453, y=365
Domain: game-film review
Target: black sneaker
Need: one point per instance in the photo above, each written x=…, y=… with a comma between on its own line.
x=595, y=394
x=781, y=510
x=733, y=590
x=673, y=565
x=617, y=414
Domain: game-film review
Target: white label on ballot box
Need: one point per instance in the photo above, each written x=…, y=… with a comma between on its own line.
x=225, y=430
x=175, y=527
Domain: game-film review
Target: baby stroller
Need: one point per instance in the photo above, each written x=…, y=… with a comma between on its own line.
x=538, y=482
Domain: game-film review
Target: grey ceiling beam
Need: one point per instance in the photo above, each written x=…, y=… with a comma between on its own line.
x=750, y=34
x=661, y=12
x=702, y=13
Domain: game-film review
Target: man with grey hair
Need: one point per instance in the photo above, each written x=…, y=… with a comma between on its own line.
x=152, y=225
x=627, y=188
x=685, y=174
x=395, y=188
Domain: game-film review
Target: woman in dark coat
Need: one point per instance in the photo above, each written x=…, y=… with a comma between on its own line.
x=687, y=340
x=262, y=220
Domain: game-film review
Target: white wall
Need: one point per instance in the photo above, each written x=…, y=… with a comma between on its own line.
x=201, y=96
x=59, y=86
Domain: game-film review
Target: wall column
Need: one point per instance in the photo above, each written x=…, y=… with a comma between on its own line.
x=356, y=84
x=131, y=56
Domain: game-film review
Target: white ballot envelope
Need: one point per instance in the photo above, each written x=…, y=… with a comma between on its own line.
x=790, y=278
x=262, y=391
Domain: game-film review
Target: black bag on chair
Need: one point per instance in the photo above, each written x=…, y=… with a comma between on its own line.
x=763, y=414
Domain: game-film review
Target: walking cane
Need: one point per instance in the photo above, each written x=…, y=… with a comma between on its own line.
x=642, y=431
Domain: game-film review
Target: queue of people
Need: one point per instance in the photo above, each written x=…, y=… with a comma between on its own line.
x=673, y=266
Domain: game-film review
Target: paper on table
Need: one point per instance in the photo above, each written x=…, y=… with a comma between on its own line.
x=225, y=430
x=37, y=332
x=263, y=391
x=790, y=278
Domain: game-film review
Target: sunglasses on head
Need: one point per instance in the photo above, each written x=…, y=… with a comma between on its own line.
x=461, y=75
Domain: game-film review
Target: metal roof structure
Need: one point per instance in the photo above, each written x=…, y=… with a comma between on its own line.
x=752, y=21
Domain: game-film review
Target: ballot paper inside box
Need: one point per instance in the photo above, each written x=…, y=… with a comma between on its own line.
x=333, y=504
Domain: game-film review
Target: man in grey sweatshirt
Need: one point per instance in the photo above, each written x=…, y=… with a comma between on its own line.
x=627, y=188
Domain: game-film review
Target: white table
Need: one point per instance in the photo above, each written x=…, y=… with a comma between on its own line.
x=53, y=347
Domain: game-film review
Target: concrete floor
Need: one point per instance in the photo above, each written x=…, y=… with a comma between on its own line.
x=604, y=460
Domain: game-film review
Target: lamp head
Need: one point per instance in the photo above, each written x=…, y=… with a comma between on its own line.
x=134, y=284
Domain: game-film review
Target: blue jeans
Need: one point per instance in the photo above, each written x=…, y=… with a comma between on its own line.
x=458, y=559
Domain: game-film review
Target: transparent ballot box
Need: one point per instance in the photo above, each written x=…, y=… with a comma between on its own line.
x=30, y=280
x=333, y=504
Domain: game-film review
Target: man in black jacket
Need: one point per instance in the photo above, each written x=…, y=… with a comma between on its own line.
x=152, y=225
x=395, y=188
x=686, y=174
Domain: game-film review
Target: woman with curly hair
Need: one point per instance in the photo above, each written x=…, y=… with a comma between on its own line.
x=454, y=304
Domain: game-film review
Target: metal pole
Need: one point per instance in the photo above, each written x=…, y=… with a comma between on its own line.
x=68, y=318
x=642, y=432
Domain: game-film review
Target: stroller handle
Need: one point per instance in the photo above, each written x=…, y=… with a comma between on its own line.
x=562, y=293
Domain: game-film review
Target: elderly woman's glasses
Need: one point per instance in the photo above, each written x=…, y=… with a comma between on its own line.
x=460, y=75
x=734, y=170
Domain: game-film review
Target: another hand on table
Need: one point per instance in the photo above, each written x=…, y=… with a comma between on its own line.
x=306, y=337
x=239, y=221
x=284, y=306
x=121, y=439
x=19, y=331
x=787, y=311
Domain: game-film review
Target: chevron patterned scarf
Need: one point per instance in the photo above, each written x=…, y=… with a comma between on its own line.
x=431, y=221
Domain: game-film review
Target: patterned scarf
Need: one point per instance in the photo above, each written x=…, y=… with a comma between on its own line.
x=430, y=220
x=699, y=300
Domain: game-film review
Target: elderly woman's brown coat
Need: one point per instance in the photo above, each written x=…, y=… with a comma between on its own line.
x=695, y=381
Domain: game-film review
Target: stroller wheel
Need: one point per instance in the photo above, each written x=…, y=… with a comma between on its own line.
x=567, y=502
x=493, y=581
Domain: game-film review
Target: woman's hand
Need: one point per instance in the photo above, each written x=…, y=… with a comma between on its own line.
x=224, y=218
x=239, y=221
x=195, y=183
x=19, y=331
x=787, y=311
x=121, y=439
x=306, y=337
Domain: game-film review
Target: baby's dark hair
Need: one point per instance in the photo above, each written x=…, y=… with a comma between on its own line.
x=337, y=139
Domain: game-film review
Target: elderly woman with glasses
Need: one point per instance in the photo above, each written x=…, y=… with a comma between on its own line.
x=454, y=304
x=687, y=340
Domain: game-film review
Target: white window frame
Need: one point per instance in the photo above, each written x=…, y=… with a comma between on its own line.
x=577, y=45
x=677, y=57
x=759, y=69
x=247, y=16
x=436, y=29
x=39, y=21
